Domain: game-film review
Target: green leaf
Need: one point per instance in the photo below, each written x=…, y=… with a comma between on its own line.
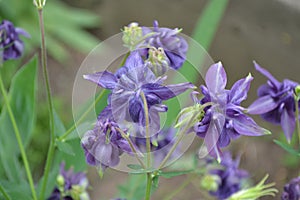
x=204, y=33
x=65, y=147
x=59, y=127
x=288, y=148
x=175, y=173
x=22, y=97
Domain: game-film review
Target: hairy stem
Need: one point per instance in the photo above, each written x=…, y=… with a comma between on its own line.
x=19, y=139
x=50, y=104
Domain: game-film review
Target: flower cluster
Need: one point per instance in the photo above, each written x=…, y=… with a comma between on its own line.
x=11, y=46
x=139, y=83
x=225, y=119
x=70, y=186
x=276, y=102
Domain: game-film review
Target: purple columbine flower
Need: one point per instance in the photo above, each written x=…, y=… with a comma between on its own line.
x=104, y=144
x=275, y=102
x=11, y=46
x=70, y=185
x=292, y=190
x=225, y=119
x=174, y=46
x=127, y=86
x=230, y=177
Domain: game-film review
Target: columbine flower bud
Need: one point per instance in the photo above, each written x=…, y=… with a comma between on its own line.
x=297, y=92
x=132, y=35
x=191, y=115
x=157, y=61
x=210, y=182
x=255, y=192
x=60, y=181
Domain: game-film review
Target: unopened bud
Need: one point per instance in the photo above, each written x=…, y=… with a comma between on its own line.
x=157, y=61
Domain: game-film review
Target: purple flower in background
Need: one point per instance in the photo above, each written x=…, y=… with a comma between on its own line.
x=70, y=185
x=127, y=86
x=291, y=190
x=11, y=46
x=230, y=177
x=174, y=46
x=275, y=102
x=225, y=119
x=104, y=144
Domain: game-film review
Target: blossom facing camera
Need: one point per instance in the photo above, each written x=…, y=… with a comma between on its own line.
x=225, y=119
x=175, y=46
x=70, y=185
x=291, y=190
x=11, y=46
x=276, y=102
x=129, y=84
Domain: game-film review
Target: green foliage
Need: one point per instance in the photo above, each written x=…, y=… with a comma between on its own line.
x=64, y=25
x=22, y=97
x=134, y=188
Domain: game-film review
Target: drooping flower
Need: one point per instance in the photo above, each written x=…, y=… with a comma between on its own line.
x=157, y=61
x=70, y=186
x=174, y=46
x=129, y=84
x=104, y=144
x=275, y=102
x=292, y=190
x=11, y=46
x=225, y=119
x=229, y=178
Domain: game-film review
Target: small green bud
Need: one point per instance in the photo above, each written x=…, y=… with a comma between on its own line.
x=192, y=115
x=60, y=181
x=157, y=61
x=210, y=182
x=297, y=92
x=132, y=35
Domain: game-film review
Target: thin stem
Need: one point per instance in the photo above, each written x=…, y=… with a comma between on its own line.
x=180, y=188
x=148, y=146
x=5, y=195
x=69, y=131
x=132, y=147
x=181, y=135
x=19, y=139
x=149, y=185
x=124, y=59
x=297, y=118
x=50, y=105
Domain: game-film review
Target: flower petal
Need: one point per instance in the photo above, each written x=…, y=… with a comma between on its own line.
x=104, y=79
x=262, y=105
x=245, y=125
x=134, y=60
x=216, y=78
x=288, y=124
x=267, y=74
x=239, y=90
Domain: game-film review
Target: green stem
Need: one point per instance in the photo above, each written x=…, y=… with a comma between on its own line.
x=69, y=131
x=50, y=105
x=5, y=195
x=180, y=188
x=149, y=185
x=132, y=147
x=297, y=118
x=124, y=59
x=19, y=139
x=148, y=145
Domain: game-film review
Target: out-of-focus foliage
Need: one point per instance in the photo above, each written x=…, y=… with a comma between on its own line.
x=22, y=95
x=64, y=25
